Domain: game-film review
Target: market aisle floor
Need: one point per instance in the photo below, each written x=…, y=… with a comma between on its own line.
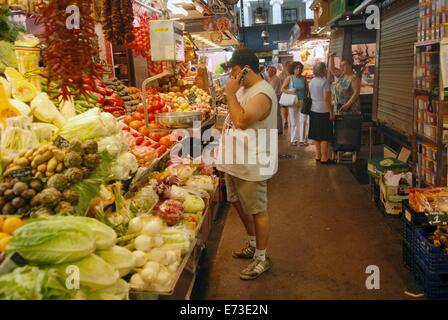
x=325, y=232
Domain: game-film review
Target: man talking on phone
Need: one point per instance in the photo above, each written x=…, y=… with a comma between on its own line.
x=252, y=114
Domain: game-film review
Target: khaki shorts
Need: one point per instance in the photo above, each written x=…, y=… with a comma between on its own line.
x=253, y=196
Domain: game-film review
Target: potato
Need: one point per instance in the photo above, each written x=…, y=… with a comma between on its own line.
x=59, y=167
x=23, y=162
x=42, y=168
x=42, y=150
x=59, y=155
x=43, y=158
x=29, y=153
x=52, y=164
x=48, y=174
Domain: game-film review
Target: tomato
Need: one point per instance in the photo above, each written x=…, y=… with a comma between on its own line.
x=155, y=104
x=165, y=141
x=153, y=126
x=155, y=145
x=136, y=116
x=157, y=112
x=164, y=109
x=161, y=150
x=140, y=109
x=144, y=131
x=139, y=140
x=126, y=128
x=128, y=119
x=136, y=124
x=147, y=143
x=155, y=136
x=151, y=117
x=135, y=135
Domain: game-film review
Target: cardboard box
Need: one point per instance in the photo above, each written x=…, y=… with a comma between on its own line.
x=375, y=169
x=394, y=194
x=391, y=208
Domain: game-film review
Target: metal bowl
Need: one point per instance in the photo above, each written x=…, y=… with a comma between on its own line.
x=178, y=120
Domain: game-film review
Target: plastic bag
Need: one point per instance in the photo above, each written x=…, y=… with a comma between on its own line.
x=201, y=182
x=125, y=166
x=115, y=145
x=144, y=201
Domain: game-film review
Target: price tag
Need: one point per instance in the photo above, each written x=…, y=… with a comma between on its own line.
x=192, y=98
x=21, y=173
x=438, y=219
x=61, y=143
x=11, y=262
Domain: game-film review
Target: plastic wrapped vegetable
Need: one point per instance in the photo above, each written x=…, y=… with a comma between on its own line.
x=115, y=145
x=171, y=211
x=125, y=166
x=201, y=182
x=44, y=110
x=144, y=201
x=184, y=172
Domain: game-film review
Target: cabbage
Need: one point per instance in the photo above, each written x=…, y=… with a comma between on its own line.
x=120, y=258
x=44, y=131
x=53, y=241
x=94, y=272
x=105, y=236
x=193, y=204
x=32, y=283
x=85, y=126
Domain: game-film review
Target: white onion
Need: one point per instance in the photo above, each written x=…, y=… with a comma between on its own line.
x=143, y=243
x=140, y=258
x=135, y=225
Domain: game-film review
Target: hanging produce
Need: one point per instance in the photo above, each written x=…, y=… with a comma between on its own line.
x=68, y=53
x=117, y=20
x=141, y=45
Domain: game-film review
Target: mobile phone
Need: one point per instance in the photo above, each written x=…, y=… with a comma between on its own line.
x=243, y=76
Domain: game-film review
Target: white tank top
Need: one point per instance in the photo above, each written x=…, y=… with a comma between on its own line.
x=251, y=154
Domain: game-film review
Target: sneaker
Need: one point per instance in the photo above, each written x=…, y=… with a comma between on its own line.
x=255, y=269
x=245, y=253
x=294, y=144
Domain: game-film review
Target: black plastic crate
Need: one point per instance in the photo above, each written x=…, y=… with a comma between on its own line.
x=408, y=256
x=408, y=230
x=347, y=133
x=434, y=286
x=431, y=257
x=417, y=219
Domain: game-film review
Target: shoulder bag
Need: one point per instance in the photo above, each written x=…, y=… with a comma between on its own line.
x=307, y=104
x=288, y=100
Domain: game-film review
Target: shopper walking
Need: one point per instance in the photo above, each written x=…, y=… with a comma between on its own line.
x=252, y=109
x=297, y=84
x=347, y=87
x=321, y=116
x=276, y=84
x=286, y=72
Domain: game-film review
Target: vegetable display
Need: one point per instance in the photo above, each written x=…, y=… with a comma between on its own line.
x=117, y=19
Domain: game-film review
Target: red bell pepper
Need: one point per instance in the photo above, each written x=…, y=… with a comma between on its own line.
x=101, y=90
x=118, y=101
x=109, y=91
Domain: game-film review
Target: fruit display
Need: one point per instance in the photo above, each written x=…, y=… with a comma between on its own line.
x=77, y=187
x=439, y=239
x=7, y=227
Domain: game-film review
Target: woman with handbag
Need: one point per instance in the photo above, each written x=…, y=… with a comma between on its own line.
x=296, y=84
x=321, y=115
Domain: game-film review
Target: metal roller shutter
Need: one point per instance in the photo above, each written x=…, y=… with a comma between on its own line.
x=337, y=42
x=396, y=66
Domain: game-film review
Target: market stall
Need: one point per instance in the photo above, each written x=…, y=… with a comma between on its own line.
x=85, y=157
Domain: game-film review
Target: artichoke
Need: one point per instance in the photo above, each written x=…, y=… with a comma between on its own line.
x=74, y=175
x=90, y=147
x=72, y=159
x=58, y=181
